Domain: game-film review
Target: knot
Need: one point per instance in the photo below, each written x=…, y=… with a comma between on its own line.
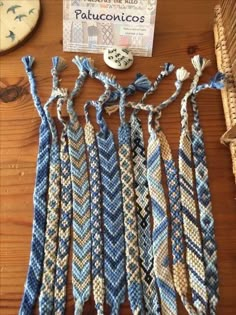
x=131, y=89
x=199, y=64
x=199, y=73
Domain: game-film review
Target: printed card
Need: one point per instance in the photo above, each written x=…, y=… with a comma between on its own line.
x=93, y=25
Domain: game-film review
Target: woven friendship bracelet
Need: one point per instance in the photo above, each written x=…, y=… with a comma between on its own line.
x=194, y=254
x=152, y=305
x=96, y=229
x=53, y=204
x=114, y=260
x=150, y=292
x=81, y=258
x=160, y=227
x=151, y=301
x=179, y=270
x=65, y=218
x=130, y=219
x=114, y=244
x=160, y=218
x=33, y=280
x=96, y=215
x=113, y=220
x=204, y=199
x=133, y=273
x=177, y=237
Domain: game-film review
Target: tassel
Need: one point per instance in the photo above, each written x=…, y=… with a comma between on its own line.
x=109, y=78
x=217, y=82
x=168, y=68
x=59, y=63
x=28, y=62
x=79, y=62
x=88, y=64
x=141, y=83
x=200, y=64
x=182, y=74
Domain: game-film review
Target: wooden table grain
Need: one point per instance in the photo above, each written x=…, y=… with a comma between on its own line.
x=183, y=28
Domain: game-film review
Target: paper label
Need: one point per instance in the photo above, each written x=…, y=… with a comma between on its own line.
x=93, y=25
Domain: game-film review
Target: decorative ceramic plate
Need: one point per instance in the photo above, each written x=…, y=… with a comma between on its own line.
x=17, y=20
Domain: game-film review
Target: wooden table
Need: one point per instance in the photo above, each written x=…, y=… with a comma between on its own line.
x=183, y=28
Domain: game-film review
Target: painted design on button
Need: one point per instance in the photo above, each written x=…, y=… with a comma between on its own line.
x=118, y=58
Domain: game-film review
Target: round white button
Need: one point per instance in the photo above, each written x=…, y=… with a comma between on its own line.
x=118, y=58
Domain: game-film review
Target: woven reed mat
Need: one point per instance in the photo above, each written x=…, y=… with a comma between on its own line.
x=229, y=92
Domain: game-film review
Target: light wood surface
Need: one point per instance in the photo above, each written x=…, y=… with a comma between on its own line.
x=183, y=28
